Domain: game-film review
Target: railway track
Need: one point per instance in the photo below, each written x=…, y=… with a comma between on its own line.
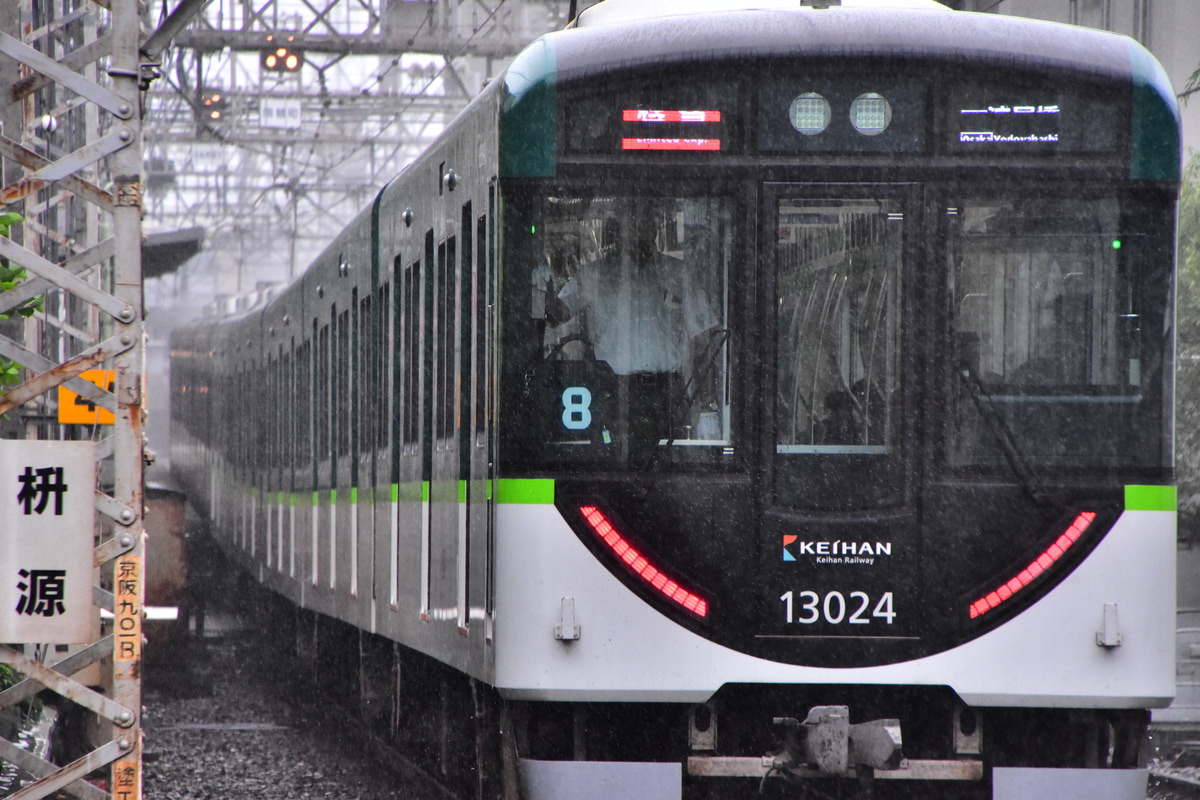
x=1166, y=784
x=222, y=722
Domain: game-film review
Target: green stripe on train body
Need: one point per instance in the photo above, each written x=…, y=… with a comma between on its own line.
x=533, y=491
x=1151, y=498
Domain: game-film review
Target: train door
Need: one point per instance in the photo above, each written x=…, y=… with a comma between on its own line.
x=409, y=465
x=477, y=422
x=342, y=513
x=442, y=564
x=839, y=384
x=463, y=418
x=365, y=399
x=378, y=407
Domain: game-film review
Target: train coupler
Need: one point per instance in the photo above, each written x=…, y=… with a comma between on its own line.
x=826, y=741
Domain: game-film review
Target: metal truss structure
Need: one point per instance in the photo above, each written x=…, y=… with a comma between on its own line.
x=271, y=163
x=71, y=300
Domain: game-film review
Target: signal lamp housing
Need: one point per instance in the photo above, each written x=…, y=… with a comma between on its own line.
x=213, y=104
x=281, y=58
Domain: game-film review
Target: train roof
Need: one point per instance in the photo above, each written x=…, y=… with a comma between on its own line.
x=621, y=34
x=614, y=11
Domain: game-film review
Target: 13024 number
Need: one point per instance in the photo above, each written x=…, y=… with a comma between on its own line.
x=807, y=608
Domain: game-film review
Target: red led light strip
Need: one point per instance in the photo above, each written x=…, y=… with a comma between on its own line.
x=1036, y=567
x=638, y=563
x=656, y=115
x=670, y=144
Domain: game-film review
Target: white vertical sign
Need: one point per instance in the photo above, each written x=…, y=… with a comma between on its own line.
x=279, y=112
x=47, y=521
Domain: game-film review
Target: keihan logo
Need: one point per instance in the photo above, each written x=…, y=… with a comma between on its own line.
x=835, y=552
x=787, y=540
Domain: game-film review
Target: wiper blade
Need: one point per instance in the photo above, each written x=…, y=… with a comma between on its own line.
x=1017, y=461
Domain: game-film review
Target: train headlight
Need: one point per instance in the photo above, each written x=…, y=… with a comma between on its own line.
x=810, y=113
x=870, y=114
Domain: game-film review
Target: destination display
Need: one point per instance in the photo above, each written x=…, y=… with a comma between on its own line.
x=675, y=120
x=679, y=116
x=807, y=112
x=991, y=118
x=1010, y=124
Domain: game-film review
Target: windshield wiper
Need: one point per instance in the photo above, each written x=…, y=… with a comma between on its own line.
x=1017, y=461
x=707, y=362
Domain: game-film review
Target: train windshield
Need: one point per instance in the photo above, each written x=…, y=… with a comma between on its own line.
x=627, y=342
x=838, y=415
x=1058, y=354
x=837, y=333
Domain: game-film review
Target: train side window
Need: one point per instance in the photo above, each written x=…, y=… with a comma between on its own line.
x=412, y=355
x=276, y=420
x=342, y=411
x=465, y=338
x=267, y=422
x=445, y=327
x=245, y=423
x=368, y=377
x=323, y=393
x=481, y=339
x=287, y=432
x=395, y=360
x=439, y=325
x=303, y=451
x=383, y=357
x=250, y=425
x=427, y=350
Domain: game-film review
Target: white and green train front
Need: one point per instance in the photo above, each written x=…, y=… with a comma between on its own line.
x=905, y=445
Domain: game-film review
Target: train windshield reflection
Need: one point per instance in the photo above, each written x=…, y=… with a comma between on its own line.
x=629, y=302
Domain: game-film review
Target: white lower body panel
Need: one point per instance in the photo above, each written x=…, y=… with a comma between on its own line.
x=1022, y=783
x=1047, y=656
x=600, y=780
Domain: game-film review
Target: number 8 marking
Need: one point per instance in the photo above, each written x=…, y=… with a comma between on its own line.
x=577, y=403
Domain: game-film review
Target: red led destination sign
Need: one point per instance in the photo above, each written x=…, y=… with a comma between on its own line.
x=670, y=118
x=670, y=144
x=656, y=115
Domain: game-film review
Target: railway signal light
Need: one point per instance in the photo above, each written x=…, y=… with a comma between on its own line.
x=213, y=105
x=281, y=56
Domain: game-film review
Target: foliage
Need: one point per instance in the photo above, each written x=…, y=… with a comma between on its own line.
x=8, y=679
x=1189, y=254
x=10, y=277
x=1191, y=87
x=1187, y=385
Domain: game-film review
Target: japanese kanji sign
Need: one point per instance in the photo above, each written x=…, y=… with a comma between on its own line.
x=74, y=409
x=47, y=517
x=128, y=608
x=127, y=780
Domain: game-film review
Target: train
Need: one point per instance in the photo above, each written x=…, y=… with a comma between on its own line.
x=738, y=397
